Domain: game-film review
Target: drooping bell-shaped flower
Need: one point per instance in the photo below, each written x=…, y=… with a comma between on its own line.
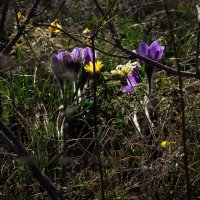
x=71, y=67
x=65, y=67
x=155, y=51
x=61, y=58
x=64, y=57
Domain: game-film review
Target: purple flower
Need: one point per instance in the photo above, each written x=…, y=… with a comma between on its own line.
x=65, y=66
x=87, y=55
x=132, y=83
x=154, y=51
x=62, y=57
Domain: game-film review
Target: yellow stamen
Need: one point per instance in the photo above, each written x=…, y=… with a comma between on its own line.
x=126, y=70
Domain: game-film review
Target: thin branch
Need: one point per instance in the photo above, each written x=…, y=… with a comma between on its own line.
x=17, y=147
x=21, y=30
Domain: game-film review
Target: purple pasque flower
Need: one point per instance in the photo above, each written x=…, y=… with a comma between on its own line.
x=155, y=51
x=65, y=66
x=62, y=57
x=132, y=83
x=58, y=65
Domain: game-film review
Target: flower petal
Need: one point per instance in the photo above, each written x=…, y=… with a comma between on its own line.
x=76, y=53
x=156, y=51
x=137, y=75
x=98, y=66
x=90, y=69
x=161, y=52
x=127, y=89
x=143, y=49
x=131, y=80
x=126, y=70
x=87, y=55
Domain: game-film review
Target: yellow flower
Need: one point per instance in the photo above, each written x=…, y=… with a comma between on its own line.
x=53, y=26
x=20, y=17
x=89, y=67
x=165, y=144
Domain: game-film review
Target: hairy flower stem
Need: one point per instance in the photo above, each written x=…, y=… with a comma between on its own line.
x=182, y=107
x=150, y=70
x=95, y=126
